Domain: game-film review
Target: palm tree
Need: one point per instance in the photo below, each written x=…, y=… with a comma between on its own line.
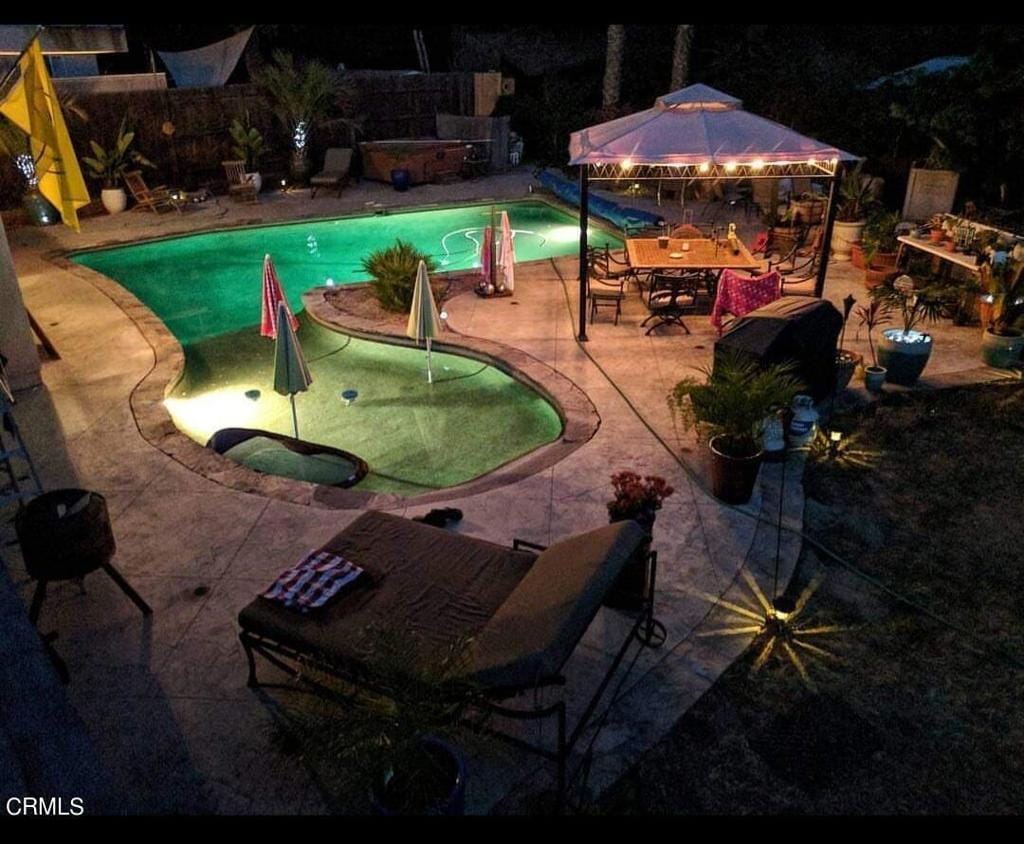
x=613, y=69
x=681, y=56
x=301, y=96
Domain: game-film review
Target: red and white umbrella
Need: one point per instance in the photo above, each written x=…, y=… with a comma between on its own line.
x=273, y=295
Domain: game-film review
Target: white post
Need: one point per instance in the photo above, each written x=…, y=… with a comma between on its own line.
x=430, y=374
x=15, y=332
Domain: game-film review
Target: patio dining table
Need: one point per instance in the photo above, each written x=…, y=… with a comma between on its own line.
x=697, y=254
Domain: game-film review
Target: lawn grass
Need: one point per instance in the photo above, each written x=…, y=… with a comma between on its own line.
x=919, y=710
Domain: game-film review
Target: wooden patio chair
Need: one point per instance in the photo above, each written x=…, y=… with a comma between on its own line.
x=240, y=184
x=146, y=198
x=337, y=162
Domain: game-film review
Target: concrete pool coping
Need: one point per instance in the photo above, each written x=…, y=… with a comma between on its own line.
x=579, y=416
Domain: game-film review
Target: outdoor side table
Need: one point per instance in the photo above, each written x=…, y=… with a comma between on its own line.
x=66, y=534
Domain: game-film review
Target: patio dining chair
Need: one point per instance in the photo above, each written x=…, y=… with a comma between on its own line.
x=672, y=296
x=146, y=198
x=241, y=185
x=798, y=278
x=606, y=287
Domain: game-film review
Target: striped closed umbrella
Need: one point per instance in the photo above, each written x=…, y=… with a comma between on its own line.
x=273, y=295
x=507, y=255
x=291, y=375
x=424, y=322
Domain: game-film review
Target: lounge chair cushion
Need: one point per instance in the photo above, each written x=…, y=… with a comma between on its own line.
x=539, y=625
x=430, y=581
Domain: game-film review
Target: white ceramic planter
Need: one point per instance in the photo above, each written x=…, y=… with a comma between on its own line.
x=844, y=235
x=115, y=200
x=256, y=179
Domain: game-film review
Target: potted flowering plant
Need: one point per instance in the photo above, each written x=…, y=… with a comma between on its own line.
x=639, y=498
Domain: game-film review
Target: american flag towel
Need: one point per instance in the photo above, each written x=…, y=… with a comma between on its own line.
x=313, y=581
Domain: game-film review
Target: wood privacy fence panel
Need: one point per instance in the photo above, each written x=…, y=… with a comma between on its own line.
x=386, y=105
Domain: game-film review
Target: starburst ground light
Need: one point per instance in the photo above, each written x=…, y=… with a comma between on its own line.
x=779, y=629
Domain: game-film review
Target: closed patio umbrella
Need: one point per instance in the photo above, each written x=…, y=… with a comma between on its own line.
x=291, y=375
x=272, y=296
x=507, y=256
x=424, y=322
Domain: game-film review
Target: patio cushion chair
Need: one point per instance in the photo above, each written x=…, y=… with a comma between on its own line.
x=671, y=296
x=241, y=185
x=522, y=609
x=146, y=198
x=337, y=162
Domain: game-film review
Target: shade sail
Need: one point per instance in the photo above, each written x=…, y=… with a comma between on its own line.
x=693, y=126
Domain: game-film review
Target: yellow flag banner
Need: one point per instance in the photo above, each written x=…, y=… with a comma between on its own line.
x=32, y=106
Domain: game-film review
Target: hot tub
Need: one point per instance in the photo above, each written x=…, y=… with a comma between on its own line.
x=428, y=160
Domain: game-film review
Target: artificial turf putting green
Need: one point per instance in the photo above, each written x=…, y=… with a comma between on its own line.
x=415, y=436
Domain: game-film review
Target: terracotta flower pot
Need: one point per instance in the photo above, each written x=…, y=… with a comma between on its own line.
x=936, y=235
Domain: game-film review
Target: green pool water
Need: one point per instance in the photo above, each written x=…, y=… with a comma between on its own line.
x=205, y=285
x=415, y=436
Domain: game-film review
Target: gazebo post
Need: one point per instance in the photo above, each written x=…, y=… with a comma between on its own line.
x=584, y=216
x=826, y=236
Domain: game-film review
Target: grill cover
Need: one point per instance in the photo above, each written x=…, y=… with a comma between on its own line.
x=793, y=328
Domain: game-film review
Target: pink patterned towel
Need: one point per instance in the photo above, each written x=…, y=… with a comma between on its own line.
x=739, y=295
x=313, y=581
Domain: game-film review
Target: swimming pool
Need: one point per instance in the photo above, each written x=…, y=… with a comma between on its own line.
x=205, y=285
x=414, y=436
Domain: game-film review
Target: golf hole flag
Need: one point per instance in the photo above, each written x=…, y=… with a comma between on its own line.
x=30, y=102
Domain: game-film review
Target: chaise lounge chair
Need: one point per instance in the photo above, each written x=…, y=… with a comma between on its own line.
x=146, y=198
x=524, y=609
x=335, y=172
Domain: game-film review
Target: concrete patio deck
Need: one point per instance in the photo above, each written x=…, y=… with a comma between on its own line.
x=164, y=700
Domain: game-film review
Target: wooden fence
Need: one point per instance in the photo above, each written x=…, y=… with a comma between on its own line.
x=184, y=131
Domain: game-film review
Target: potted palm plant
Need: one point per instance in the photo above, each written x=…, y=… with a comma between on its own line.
x=109, y=165
x=872, y=316
x=302, y=96
x=390, y=739
x=731, y=407
x=248, y=147
x=856, y=199
x=904, y=352
x=1003, y=342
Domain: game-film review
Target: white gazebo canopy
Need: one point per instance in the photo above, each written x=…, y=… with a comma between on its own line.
x=700, y=132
